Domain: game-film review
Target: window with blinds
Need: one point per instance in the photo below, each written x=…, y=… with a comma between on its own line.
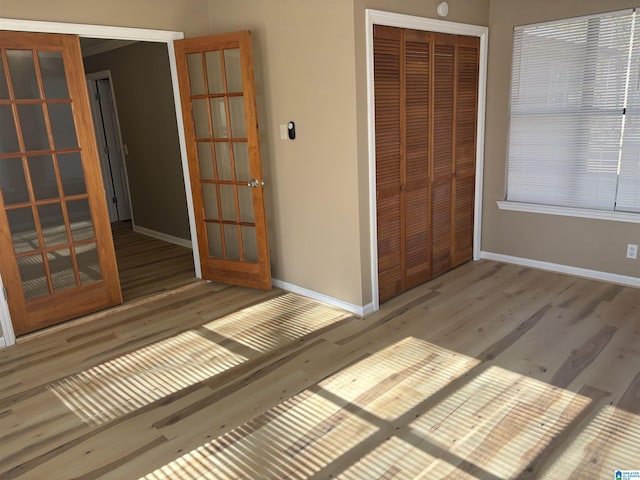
x=574, y=137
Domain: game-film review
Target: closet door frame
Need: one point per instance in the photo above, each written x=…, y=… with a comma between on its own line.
x=378, y=17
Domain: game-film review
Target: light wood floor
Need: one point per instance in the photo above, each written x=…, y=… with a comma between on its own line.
x=490, y=371
x=147, y=265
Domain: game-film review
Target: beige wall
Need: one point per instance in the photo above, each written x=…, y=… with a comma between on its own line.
x=310, y=68
x=144, y=97
x=185, y=16
x=305, y=72
x=474, y=12
x=586, y=243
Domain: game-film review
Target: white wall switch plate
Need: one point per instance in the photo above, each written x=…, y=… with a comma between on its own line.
x=632, y=251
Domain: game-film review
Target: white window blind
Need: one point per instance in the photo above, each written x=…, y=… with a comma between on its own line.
x=574, y=137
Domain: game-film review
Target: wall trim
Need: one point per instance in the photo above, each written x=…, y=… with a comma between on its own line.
x=92, y=31
x=2, y=343
x=378, y=17
x=566, y=269
x=614, y=216
x=162, y=236
x=321, y=297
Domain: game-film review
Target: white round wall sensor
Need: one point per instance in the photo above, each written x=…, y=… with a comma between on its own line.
x=443, y=9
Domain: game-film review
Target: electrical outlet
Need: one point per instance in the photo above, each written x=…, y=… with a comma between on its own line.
x=632, y=251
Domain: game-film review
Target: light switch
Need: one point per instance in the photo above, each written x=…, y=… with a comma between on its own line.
x=283, y=131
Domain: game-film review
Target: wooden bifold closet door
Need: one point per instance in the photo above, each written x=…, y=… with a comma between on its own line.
x=425, y=125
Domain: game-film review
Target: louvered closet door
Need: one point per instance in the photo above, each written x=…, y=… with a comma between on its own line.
x=466, y=111
x=443, y=132
x=387, y=52
x=425, y=117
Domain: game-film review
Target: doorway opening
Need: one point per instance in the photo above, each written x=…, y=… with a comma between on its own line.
x=129, y=86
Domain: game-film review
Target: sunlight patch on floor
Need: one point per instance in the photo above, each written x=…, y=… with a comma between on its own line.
x=491, y=428
x=611, y=442
x=308, y=432
x=107, y=391
x=392, y=415
x=276, y=322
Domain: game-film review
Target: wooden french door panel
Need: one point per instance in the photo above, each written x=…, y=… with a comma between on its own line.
x=56, y=250
x=217, y=93
x=425, y=88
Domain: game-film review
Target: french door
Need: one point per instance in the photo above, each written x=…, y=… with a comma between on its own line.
x=56, y=251
x=219, y=109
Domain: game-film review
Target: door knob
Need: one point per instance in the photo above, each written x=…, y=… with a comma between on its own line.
x=253, y=183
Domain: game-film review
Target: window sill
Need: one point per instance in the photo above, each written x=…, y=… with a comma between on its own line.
x=628, y=217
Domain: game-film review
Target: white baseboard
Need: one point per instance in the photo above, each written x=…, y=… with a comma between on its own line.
x=162, y=236
x=321, y=297
x=559, y=268
x=3, y=344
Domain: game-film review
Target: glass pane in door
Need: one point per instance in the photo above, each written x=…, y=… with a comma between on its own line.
x=33, y=127
x=23, y=230
x=238, y=124
x=4, y=90
x=23, y=74
x=214, y=241
x=52, y=224
x=214, y=72
x=62, y=126
x=194, y=61
x=241, y=160
x=233, y=70
x=53, y=76
x=43, y=177
x=249, y=244
x=8, y=136
x=62, y=273
x=34, y=277
x=223, y=161
x=13, y=182
x=72, y=174
x=88, y=263
x=232, y=243
x=205, y=161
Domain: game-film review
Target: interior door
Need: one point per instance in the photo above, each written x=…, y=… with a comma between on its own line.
x=56, y=251
x=109, y=147
x=219, y=108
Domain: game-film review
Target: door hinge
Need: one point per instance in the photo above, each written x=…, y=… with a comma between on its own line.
x=4, y=294
x=115, y=200
x=106, y=150
x=98, y=96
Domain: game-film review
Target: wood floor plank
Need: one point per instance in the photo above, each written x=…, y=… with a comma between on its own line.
x=490, y=371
